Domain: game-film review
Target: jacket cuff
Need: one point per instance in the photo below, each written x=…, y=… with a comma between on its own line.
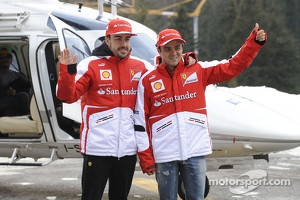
x=186, y=57
x=259, y=42
x=72, y=69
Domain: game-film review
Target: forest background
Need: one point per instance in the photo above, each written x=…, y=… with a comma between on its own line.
x=223, y=26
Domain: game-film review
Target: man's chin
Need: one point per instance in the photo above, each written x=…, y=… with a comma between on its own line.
x=122, y=54
x=173, y=63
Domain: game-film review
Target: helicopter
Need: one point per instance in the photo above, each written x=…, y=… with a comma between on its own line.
x=246, y=123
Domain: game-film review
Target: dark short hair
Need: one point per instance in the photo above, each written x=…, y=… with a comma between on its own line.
x=8, y=50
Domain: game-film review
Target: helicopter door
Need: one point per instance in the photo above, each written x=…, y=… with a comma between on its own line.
x=69, y=38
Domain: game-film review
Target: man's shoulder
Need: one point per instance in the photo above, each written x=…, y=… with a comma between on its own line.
x=150, y=73
x=85, y=63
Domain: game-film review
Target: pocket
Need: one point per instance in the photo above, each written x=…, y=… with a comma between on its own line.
x=103, y=117
x=165, y=136
x=162, y=126
x=195, y=120
x=198, y=137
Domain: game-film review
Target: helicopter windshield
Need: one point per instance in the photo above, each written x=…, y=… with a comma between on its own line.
x=143, y=47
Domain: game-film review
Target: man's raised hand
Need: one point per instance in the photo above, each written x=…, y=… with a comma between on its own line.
x=65, y=57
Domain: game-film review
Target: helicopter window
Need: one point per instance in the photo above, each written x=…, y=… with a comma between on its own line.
x=76, y=45
x=99, y=41
x=143, y=47
x=14, y=64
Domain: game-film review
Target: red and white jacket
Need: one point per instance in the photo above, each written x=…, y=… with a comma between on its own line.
x=108, y=86
x=170, y=114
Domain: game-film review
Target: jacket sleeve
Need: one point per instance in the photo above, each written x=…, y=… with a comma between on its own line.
x=228, y=69
x=186, y=57
x=142, y=131
x=71, y=82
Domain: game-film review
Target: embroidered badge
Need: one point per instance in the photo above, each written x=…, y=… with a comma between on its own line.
x=200, y=121
x=135, y=76
x=164, y=126
x=105, y=74
x=104, y=118
x=157, y=85
x=189, y=78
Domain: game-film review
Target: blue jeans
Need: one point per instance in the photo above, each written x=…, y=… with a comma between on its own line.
x=192, y=172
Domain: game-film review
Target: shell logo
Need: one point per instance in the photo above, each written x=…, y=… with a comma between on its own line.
x=157, y=85
x=106, y=74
